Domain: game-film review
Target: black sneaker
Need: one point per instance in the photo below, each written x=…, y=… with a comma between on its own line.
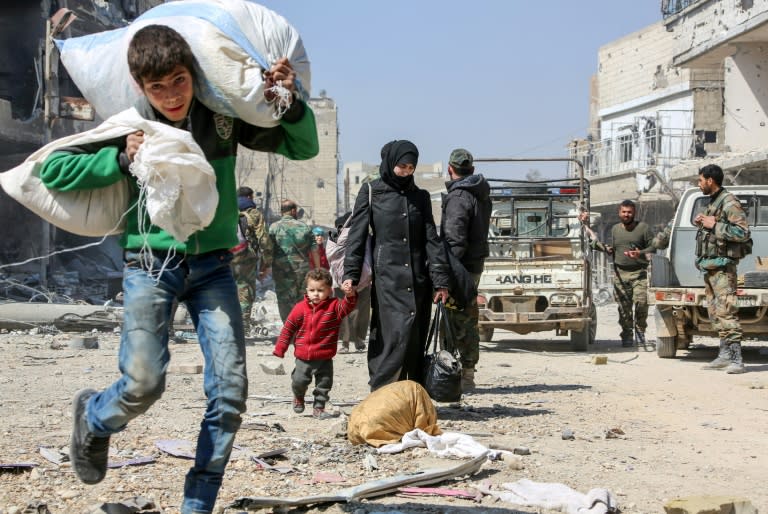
x=87, y=452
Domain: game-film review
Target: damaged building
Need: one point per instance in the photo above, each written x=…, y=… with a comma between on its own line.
x=668, y=99
x=27, y=82
x=40, y=103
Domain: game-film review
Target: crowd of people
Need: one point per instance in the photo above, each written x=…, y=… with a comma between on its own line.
x=214, y=272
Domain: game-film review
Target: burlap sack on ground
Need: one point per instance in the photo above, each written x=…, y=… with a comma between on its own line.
x=391, y=411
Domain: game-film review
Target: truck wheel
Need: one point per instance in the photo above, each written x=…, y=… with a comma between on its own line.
x=486, y=333
x=666, y=347
x=581, y=340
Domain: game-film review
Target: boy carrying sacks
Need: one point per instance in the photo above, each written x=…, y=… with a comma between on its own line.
x=195, y=271
x=313, y=326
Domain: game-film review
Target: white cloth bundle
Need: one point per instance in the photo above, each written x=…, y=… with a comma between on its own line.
x=234, y=41
x=178, y=183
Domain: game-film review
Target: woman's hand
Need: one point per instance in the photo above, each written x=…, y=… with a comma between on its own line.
x=441, y=294
x=348, y=288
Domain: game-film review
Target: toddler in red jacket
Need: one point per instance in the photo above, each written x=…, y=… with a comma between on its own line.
x=313, y=326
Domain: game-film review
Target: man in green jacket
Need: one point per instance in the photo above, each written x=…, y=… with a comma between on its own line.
x=159, y=269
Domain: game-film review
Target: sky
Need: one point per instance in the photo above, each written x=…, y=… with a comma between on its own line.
x=502, y=78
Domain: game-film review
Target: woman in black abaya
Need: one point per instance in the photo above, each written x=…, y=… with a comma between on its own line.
x=410, y=269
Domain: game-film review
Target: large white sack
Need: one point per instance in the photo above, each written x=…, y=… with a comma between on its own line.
x=233, y=41
x=179, y=184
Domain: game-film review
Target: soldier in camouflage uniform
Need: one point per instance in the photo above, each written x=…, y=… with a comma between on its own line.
x=722, y=239
x=252, y=257
x=293, y=247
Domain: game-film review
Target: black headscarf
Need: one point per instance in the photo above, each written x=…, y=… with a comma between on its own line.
x=394, y=153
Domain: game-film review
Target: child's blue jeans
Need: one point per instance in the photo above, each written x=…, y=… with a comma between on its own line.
x=204, y=282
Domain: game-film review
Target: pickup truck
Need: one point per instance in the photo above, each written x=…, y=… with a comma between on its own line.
x=676, y=287
x=538, y=275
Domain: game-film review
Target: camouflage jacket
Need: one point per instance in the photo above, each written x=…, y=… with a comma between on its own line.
x=292, y=242
x=725, y=243
x=257, y=235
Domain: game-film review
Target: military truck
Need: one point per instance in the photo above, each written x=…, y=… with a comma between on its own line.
x=538, y=275
x=676, y=287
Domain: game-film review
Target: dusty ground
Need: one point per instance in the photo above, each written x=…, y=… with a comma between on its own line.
x=686, y=431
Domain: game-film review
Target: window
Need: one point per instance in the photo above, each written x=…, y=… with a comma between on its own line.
x=756, y=208
x=625, y=148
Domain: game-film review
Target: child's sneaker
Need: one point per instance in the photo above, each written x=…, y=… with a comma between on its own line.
x=298, y=405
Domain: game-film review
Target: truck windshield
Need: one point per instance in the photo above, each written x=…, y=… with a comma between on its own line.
x=755, y=206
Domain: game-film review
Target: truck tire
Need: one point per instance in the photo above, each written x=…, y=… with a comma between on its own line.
x=581, y=340
x=666, y=347
x=756, y=279
x=486, y=333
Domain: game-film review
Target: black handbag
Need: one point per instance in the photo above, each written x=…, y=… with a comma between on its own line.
x=442, y=369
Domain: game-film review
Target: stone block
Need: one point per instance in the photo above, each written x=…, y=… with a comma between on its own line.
x=710, y=505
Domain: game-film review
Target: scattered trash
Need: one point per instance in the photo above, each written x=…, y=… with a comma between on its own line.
x=16, y=466
x=129, y=506
x=269, y=467
x=273, y=366
x=568, y=434
x=83, y=343
x=521, y=450
x=36, y=507
x=56, y=456
x=177, y=447
x=366, y=490
x=599, y=359
x=414, y=492
x=369, y=462
x=138, y=461
x=614, y=433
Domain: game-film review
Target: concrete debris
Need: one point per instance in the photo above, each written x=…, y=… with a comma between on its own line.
x=272, y=366
x=83, y=343
x=568, y=434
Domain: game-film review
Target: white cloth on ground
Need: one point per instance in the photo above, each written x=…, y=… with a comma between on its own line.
x=447, y=444
x=554, y=496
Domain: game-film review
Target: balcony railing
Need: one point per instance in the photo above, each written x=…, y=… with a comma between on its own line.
x=659, y=148
x=672, y=7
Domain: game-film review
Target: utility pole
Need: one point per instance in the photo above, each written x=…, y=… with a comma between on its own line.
x=53, y=27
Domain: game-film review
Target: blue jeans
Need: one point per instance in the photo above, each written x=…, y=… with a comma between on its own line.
x=205, y=284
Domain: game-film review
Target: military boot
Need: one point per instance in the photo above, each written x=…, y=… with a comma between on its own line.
x=723, y=358
x=736, y=365
x=467, y=380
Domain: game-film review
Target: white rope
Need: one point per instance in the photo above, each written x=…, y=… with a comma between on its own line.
x=283, y=98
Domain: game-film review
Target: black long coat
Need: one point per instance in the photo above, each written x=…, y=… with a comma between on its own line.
x=408, y=262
